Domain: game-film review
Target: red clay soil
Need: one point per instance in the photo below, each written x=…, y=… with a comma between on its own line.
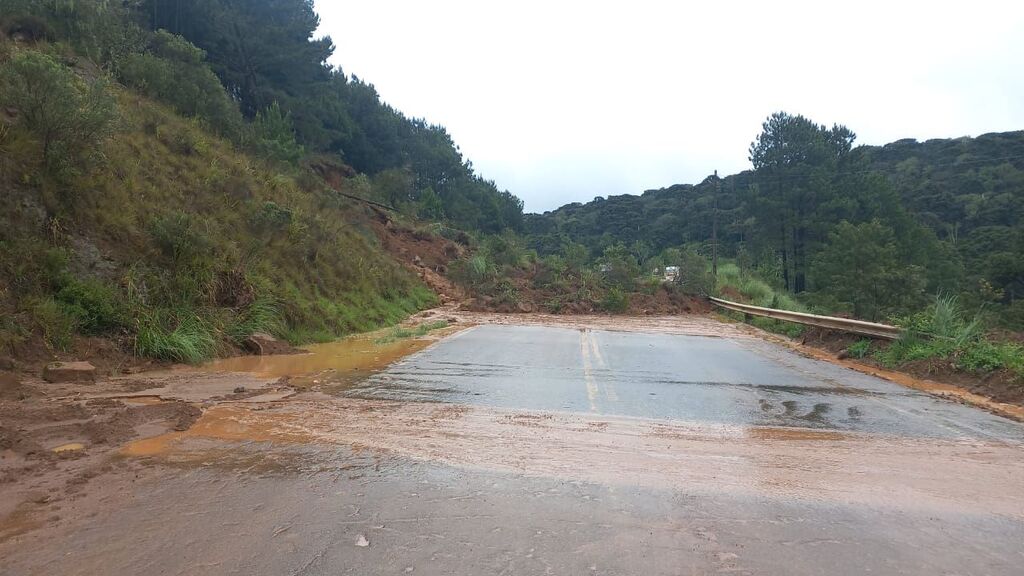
x=108, y=355
x=425, y=254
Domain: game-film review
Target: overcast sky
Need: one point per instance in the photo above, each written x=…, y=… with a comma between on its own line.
x=562, y=101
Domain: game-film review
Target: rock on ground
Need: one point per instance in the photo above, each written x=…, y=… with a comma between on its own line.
x=59, y=372
x=264, y=345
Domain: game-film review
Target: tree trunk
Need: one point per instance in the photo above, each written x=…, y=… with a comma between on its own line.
x=799, y=260
x=785, y=257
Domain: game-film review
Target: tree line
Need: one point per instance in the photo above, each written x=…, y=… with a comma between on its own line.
x=256, y=73
x=873, y=231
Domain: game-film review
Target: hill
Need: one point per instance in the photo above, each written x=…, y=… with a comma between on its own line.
x=152, y=208
x=961, y=199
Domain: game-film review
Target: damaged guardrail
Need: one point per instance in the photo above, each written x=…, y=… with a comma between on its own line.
x=842, y=324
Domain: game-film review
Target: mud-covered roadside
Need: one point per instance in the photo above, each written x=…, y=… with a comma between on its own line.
x=866, y=468
x=999, y=392
x=56, y=440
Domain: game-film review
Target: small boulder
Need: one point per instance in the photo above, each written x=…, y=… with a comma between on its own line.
x=263, y=344
x=843, y=354
x=240, y=390
x=59, y=372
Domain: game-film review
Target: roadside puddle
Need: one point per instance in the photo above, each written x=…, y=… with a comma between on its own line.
x=780, y=433
x=72, y=447
x=327, y=367
x=342, y=362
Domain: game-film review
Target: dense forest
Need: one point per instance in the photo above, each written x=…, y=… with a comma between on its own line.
x=256, y=73
x=872, y=230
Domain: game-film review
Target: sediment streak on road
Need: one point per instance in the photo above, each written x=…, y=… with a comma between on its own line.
x=531, y=449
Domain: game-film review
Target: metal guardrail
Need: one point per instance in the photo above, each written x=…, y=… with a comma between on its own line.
x=842, y=324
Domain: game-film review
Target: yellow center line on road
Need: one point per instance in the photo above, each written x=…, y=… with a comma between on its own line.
x=609, y=387
x=588, y=376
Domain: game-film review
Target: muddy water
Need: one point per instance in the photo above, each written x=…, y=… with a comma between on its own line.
x=338, y=362
x=605, y=408
x=791, y=462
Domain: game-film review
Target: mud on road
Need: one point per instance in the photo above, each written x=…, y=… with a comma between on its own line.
x=529, y=444
x=57, y=439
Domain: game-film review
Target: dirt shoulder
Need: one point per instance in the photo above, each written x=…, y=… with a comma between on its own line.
x=56, y=439
x=997, y=392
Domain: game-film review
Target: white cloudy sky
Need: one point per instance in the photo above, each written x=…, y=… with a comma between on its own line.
x=561, y=101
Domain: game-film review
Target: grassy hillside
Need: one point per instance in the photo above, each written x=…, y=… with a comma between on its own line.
x=168, y=239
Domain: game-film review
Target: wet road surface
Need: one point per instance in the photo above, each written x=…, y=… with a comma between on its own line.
x=742, y=381
x=536, y=450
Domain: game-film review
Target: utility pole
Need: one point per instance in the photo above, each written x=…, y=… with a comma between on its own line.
x=714, y=229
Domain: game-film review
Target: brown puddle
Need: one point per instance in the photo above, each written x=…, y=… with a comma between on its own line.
x=331, y=360
x=227, y=422
x=72, y=447
x=777, y=433
x=791, y=463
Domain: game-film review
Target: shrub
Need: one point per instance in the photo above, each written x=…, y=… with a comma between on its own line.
x=179, y=239
x=985, y=356
x=174, y=72
x=553, y=305
x=506, y=292
x=273, y=137
x=945, y=320
x=99, y=308
x=620, y=267
x=474, y=271
x=68, y=116
x=12, y=333
x=57, y=321
x=859, y=349
x=695, y=276
x=27, y=27
x=615, y=300
x=942, y=331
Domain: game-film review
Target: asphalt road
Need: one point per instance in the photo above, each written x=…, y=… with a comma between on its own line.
x=745, y=382
x=534, y=450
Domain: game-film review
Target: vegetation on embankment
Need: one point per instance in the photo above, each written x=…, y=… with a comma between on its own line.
x=178, y=177
x=147, y=228
x=501, y=274
x=942, y=341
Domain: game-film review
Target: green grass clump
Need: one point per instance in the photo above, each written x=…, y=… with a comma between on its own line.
x=400, y=333
x=263, y=315
x=176, y=336
x=859, y=349
x=57, y=321
x=944, y=331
